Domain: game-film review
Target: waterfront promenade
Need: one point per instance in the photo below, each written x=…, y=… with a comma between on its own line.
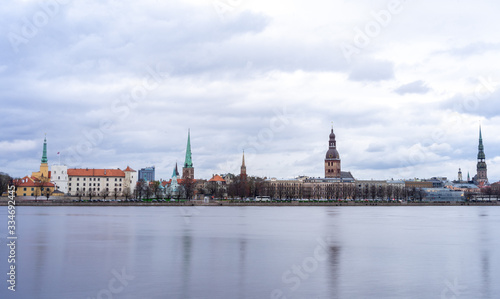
x=278, y=203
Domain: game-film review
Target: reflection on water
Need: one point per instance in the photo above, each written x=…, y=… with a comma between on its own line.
x=255, y=252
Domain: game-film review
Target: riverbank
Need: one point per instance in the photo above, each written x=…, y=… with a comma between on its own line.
x=49, y=203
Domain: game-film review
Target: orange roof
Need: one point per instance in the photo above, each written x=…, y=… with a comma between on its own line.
x=96, y=172
x=32, y=182
x=217, y=178
x=129, y=169
x=180, y=181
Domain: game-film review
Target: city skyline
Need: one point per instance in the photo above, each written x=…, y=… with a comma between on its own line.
x=122, y=86
x=189, y=167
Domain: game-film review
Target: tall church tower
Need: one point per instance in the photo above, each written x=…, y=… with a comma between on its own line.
x=44, y=166
x=482, y=173
x=243, y=171
x=332, y=160
x=188, y=169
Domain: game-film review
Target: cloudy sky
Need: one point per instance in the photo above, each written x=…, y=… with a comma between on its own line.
x=115, y=83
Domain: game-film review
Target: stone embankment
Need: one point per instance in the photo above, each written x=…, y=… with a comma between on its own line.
x=49, y=203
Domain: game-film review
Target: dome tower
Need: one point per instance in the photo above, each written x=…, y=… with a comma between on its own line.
x=332, y=159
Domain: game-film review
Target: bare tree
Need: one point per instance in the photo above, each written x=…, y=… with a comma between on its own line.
x=189, y=187
x=80, y=194
x=104, y=193
x=38, y=188
x=126, y=193
x=116, y=193
x=90, y=193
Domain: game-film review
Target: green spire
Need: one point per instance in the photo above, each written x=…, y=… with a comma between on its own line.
x=44, y=155
x=188, y=163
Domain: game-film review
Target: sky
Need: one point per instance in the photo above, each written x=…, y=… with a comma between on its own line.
x=405, y=85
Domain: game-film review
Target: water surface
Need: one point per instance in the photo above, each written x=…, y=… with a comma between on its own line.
x=254, y=252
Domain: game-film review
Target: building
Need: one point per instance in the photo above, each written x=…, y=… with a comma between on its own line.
x=130, y=179
x=336, y=184
x=442, y=195
x=175, y=190
x=481, y=177
x=332, y=159
x=97, y=181
x=34, y=187
x=59, y=177
x=39, y=183
x=43, y=174
x=147, y=174
x=188, y=169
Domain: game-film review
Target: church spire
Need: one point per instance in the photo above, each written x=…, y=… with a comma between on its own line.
x=188, y=169
x=176, y=173
x=482, y=174
x=243, y=170
x=44, y=155
x=188, y=163
x=243, y=162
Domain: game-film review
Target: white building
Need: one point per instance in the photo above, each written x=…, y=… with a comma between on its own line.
x=82, y=181
x=59, y=177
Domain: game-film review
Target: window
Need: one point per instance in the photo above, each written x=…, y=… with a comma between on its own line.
x=78, y=184
x=24, y=194
x=77, y=189
x=54, y=172
x=116, y=179
x=84, y=179
x=99, y=179
x=59, y=177
x=107, y=179
x=94, y=179
x=84, y=184
x=107, y=184
x=24, y=189
x=120, y=179
x=32, y=189
x=77, y=179
x=69, y=189
x=69, y=184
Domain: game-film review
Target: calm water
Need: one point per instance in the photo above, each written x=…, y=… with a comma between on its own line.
x=255, y=252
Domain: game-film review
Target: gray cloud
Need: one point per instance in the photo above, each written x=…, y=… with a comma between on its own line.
x=372, y=70
x=226, y=80
x=418, y=87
